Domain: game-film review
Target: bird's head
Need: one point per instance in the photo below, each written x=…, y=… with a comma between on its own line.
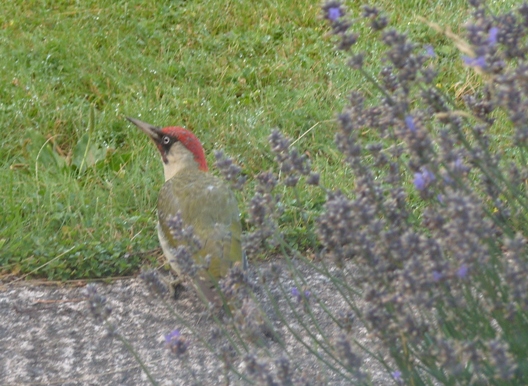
x=179, y=148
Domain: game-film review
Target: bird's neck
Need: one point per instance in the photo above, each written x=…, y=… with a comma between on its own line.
x=178, y=159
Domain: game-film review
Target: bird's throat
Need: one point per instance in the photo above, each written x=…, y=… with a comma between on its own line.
x=178, y=159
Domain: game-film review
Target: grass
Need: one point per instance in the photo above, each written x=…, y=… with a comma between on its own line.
x=78, y=190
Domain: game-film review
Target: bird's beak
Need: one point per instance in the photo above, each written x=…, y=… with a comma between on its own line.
x=152, y=131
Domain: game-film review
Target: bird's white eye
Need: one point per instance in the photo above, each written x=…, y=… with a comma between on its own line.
x=166, y=140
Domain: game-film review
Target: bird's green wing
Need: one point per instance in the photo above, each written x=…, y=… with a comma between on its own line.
x=207, y=204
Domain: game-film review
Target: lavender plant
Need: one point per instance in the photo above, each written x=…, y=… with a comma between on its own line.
x=427, y=252
x=437, y=284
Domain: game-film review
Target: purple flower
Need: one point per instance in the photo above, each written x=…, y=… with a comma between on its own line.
x=479, y=61
x=492, y=38
x=172, y=335
x=176, y=343
x=334, y=13
x=429, y=50
x=419, y=181
x=295, y=292
x=462, y=271
x=437, y=276
x=396, y=375
x=423, y=178
x=409, y=121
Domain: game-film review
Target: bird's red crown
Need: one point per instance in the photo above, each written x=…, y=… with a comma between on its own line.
x=190, y=141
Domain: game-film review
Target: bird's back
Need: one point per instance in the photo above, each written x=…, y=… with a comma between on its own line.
x=206, y=203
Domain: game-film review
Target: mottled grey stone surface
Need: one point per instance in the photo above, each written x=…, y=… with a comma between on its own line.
x=49, y=337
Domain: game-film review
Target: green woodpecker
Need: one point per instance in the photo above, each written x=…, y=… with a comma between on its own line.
x=203, y=200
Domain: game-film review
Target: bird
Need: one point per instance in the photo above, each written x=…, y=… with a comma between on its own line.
x=203, y=201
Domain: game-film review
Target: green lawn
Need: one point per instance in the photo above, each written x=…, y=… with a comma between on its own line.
x=78, y=190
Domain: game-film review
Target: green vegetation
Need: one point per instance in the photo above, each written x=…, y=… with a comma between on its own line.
x=78, y=183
